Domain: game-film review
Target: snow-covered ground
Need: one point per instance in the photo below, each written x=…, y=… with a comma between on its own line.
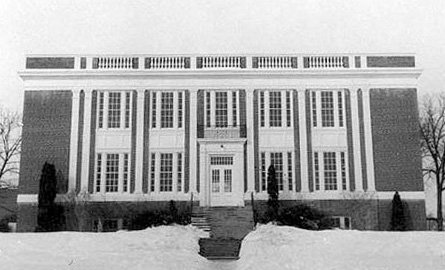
x=269, y=247
x=166, y=247
x=272, y=247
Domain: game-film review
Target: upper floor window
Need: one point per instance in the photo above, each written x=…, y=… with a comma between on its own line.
x=114, y=109
x=167, y=109
x=327, y=108
x=275, y=108
x=221, y=109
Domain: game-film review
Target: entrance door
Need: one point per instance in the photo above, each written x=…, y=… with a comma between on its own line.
x=221, y=185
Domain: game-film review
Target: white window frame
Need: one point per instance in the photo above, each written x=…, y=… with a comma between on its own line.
x=100, y=173
x=154, y=176
x=285, y=170
x=316, y=108
x=103, y=111
x=321, y=171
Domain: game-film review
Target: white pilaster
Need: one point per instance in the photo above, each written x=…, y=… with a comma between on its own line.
x=86, y=140
x=356, y=141
x=303, y=140
x=72, y=171
x=250, y=138
x=193, y=137
x=139, y=140
x=368, y=139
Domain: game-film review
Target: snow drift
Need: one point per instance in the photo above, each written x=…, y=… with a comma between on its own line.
x=273, y=247
x=269, y=247
x=165, y=247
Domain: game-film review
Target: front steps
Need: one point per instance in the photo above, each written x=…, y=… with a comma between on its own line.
x=226, y=227
x=219, y=248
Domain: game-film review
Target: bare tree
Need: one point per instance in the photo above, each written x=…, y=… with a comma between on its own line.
x=10, y=142
x=432, y=127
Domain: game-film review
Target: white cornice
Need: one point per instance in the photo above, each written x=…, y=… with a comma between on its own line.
x=206, y=74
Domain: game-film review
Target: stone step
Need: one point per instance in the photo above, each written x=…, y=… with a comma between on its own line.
x=220, y=249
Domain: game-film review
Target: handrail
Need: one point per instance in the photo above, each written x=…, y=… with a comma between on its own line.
x=191, y=205
x=253, y=209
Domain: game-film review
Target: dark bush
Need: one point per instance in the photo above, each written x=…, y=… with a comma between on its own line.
x=300, y=216
x=398, y=220
x=305, y=217
x=272, y=191
x=50, y=216
x=159, y=217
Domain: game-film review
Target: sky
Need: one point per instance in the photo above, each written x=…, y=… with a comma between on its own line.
x=229, y=26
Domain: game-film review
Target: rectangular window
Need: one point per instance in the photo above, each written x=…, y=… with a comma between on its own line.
x=114, y=110
x=316, y=171
x=221, y=160
x=153, y=172
x=179, y=172
x=98, y=172
x=263, y=172
x=112, y=173
x=276, y=159
x=228, y=180
x=180, y=100
x=215, y=180
x=234, y=109
x=125, y=173
x=127, y=109
x=221, y=109
x=275, y=109
x=314, y=108
x=208, y=109
x=340, y=109
x=289, y=170
x=343, y=171
x=330, y=171
x=166, y=172
x=288, y=109
x=262, y=117
x=327, y=109
x=100, y=120
x=153, y=109
x=166, y=109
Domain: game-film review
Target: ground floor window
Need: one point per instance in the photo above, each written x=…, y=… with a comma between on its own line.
x=330, y=170
x=283, y=162
x=341, y=222
x=109, y=225
x=112, y=172
x=166, y=172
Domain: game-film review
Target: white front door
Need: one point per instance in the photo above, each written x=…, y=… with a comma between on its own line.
x=221, y=182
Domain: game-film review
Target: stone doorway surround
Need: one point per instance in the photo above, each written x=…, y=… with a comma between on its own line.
x=230, y=147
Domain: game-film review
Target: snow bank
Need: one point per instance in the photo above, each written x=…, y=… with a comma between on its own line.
x=273, y=247
x=165, y=247
x=269, y=247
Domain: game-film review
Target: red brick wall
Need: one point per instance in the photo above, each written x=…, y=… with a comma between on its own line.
x=395, y=134
x=46, y=137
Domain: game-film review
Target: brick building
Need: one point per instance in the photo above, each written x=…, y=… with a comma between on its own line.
x=340, y=130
